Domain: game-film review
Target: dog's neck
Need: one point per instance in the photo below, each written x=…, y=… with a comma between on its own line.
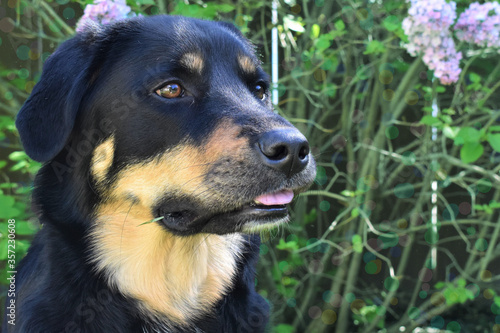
x=177, y=277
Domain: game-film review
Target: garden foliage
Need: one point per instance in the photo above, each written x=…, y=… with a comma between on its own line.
x=399, y=101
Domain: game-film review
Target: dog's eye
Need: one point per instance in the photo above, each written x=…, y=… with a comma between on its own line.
x=170, y=90
x=260, y=91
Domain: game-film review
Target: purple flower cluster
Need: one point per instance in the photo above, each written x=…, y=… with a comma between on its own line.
x=428, y=29
x=480, y=25
x=104, y=12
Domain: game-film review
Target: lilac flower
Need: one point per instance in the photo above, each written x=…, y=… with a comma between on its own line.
x=428, y=29
x=480, y=25
x=104, y=12
x=444, y=60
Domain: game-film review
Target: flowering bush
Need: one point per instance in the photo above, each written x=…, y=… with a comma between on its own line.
x=428, y=29
x=104, y=12
x=480, y=25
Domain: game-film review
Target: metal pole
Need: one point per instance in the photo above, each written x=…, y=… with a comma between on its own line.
x=274, y=53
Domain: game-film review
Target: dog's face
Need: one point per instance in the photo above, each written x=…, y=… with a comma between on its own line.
x=161, y=145
x=178, y=116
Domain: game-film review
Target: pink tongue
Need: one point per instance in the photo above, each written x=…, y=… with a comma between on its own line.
x=278, y=198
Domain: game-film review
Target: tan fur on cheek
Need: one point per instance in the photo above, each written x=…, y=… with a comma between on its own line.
x=180, y=277
x=102, y=159
x=180, y=171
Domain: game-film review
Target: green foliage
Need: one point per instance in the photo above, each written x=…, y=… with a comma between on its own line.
x=456, y=292
x=283, y=328
x=369, y=314
x=488, y=208
x=207, y=10
x=357, y=243
x=375, y=47
x=392, y=147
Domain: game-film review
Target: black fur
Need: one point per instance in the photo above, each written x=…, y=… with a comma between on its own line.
x=101, y=83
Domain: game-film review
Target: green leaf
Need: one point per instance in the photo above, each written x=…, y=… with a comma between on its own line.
x=391, y=5
x=450, y=132
x=446, y=119
x=357, y=243
x=18, y=156
x=9, y=185
x=358, y=248
x=292, y=24
x=339, y=25
x=7, y=209
x=471, y=152
x=439, y=285
x=315, y=31
x=25, y=228
x=19, y=165
x=22, y=246
x=311, y=217
x=347, y=193
x=283, y=328
x=206, y=11
x=355, y=212
x=323, y=42
x=474, y=77
x=4, y=248
x=391, y=23
x=375, y=47
x=494, y=129
x=440, y=89
x=480, y=207
x=431, y=121
x=287, y=246
x=356, y=239
x=468, y=135
x=494, y=140
x=400, y=65
x=461, y=282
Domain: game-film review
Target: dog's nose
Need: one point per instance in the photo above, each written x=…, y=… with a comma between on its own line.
x=286, y=150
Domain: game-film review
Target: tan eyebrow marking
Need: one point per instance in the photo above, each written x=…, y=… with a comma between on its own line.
x=247, y=64
x=193, y=62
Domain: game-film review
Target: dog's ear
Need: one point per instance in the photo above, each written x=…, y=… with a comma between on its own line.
x=47, y=117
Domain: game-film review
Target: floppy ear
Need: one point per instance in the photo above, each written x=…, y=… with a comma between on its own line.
x=47, y=117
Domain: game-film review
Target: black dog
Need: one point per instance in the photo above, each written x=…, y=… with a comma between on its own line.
x=162, y=157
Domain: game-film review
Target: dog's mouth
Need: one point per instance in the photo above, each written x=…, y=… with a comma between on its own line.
x=263, y=212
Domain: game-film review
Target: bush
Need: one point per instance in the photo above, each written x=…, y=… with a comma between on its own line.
x=400, y=229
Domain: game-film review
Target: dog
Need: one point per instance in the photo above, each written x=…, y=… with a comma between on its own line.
x=163, y=159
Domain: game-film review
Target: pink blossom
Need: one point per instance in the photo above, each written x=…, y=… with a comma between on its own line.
x=428, y=29
x=104, y=12
x=480, y=24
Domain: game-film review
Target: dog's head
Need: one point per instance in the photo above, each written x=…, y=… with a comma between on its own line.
x=171, y=118
x=160, y=145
